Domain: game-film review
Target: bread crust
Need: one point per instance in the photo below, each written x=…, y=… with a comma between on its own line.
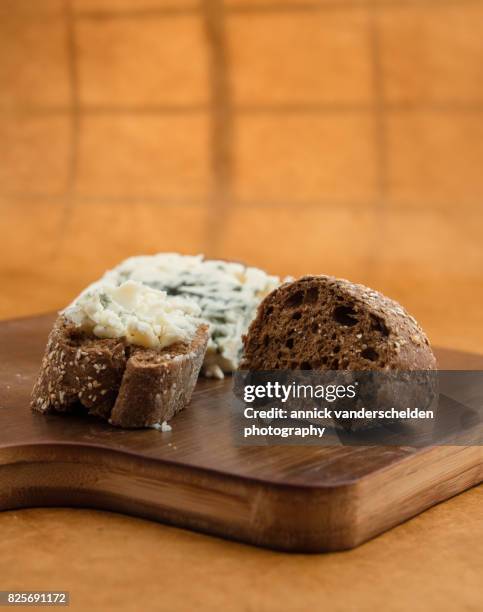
x=129, y=386
x=326, y=323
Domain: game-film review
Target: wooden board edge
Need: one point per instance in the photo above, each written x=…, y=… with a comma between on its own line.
x=415, y=484
x=280, y=517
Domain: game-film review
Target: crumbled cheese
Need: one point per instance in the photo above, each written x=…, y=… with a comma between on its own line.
x=227, y=293
x=164, y=427
x=142, y=315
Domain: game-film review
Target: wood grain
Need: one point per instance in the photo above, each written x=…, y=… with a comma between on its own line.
x=289, y=498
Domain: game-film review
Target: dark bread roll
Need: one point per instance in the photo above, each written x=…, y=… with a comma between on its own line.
x=326, y=323
x=130, y=386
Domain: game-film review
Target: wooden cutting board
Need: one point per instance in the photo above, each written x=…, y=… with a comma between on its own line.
x=290, y=498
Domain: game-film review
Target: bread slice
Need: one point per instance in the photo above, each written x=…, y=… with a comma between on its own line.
x=325, y=323
x=127, y=385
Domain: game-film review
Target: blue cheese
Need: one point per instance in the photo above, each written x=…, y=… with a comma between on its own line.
x=140, y=314
x=226, y=293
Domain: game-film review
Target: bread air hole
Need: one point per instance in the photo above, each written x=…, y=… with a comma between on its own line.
x=289, y=343
x=377, y=324
x=299, y=297
x=294, y=300
x=345, y=315
x=312, y=295
x=370, y=354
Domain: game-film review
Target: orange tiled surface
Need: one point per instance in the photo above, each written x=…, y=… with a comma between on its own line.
x=149, y=71
x=34, y=68
x=27, y=8
x=303, y=136
x=35, y=155
x=442, y=52
x=291, y=64
x=297, y=161
x=151, y=155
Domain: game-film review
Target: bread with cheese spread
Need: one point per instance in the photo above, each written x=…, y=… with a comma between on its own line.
x=129, y=354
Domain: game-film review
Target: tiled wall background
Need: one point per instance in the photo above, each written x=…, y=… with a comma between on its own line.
x=336, y=136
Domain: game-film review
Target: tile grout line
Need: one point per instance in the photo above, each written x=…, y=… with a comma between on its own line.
x=380, y=141
x=164, y=12
x=75, y=96
x=336, y=5
x=438, y=207
x=275, y=109
x=99, y=110
x=398, y=107
x=75, y=119
x=378, y=91
x=221, y=124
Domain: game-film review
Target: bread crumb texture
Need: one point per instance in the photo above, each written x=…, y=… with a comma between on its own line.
x=129, y=386
x=326, y=323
